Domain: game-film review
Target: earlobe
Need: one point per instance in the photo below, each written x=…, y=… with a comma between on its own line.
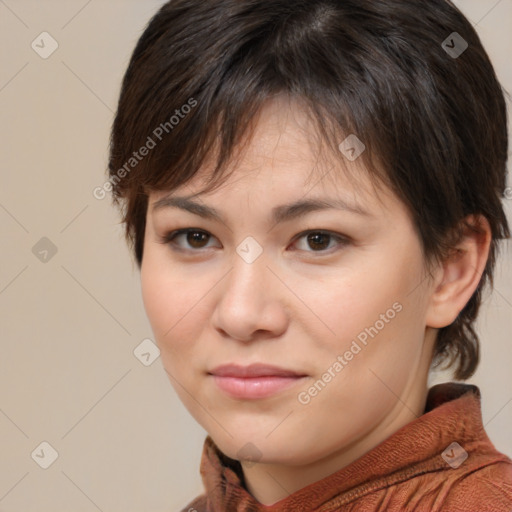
x=460, y=274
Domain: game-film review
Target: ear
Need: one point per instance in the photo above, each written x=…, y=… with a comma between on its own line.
x=459, y=275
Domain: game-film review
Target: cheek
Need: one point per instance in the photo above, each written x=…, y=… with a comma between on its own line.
x=164, y=294
x=348, y=301
x=372, y=307
x=382, y=353
x=157, y=297
x=176, y=304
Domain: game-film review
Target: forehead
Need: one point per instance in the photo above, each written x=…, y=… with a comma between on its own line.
x=284, y=151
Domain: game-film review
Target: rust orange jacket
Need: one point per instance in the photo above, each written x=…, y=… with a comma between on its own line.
x=418, y=468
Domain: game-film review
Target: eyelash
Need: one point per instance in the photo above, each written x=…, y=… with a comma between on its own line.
x=169, y=239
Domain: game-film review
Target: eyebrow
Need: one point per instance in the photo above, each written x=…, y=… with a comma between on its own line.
x=282, y=213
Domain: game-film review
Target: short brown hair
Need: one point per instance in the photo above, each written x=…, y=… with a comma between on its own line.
x=435, y=121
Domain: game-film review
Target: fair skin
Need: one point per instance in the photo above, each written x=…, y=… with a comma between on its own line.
x=298, y=306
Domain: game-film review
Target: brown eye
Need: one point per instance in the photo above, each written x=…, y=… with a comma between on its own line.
x=188, y=239
x=197, y=239
x=320, y=241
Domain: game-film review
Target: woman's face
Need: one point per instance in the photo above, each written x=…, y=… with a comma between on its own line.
x=335, y=295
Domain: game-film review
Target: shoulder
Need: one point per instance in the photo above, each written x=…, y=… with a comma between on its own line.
x=197, y=505
x=488, y=488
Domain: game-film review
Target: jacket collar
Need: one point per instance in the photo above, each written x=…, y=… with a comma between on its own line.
x=412, y=450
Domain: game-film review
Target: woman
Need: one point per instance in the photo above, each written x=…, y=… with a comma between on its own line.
x=312, y=191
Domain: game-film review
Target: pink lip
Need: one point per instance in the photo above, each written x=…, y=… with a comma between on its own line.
x=253, y=370
x=254, y=381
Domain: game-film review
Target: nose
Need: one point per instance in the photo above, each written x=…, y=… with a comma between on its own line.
x=250, y=302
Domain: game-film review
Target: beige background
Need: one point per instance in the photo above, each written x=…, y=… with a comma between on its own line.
x=68, y=374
